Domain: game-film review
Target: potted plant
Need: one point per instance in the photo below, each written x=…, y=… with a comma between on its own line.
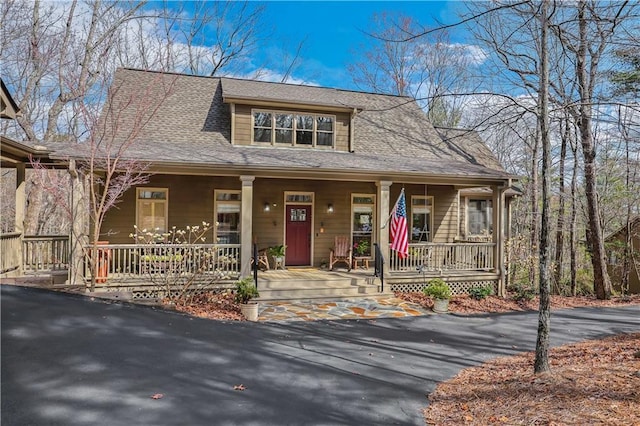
x=277, y=252
x=440, y=292
x=362, y=247
x=245, y=291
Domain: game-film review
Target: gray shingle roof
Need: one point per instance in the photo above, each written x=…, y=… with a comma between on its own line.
x=192, y=126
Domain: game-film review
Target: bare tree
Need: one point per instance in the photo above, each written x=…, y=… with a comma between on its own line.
x=57, y=57
x=541, y=362
x=430, y=70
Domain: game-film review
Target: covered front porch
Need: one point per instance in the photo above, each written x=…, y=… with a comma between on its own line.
x=305, y=211
x=132, y=271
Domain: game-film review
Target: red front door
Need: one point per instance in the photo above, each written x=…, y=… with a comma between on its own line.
x=298, y=239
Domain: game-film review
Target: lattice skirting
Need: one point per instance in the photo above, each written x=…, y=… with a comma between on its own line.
x=457, y=287
x=152, y=292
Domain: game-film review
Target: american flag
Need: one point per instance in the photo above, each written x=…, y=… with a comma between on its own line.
x=399, y=233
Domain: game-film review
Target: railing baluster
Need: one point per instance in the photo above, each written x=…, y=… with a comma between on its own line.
x=472, y=256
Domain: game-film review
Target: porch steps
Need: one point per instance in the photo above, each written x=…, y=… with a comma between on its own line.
x=315, y=288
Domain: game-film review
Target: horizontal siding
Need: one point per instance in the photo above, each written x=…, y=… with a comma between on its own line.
x=191, y=201
x=243, y=129
x=445, y=209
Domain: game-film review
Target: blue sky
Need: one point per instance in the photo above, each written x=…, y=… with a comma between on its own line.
x=335, y=28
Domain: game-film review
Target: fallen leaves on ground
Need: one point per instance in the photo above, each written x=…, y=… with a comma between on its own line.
x=220, y=306
x=464, y=304
x=592, y=382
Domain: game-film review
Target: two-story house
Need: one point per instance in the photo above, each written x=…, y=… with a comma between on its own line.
x=271, y=163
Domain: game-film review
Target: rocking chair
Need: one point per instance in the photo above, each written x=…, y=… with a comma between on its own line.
x=341, y=252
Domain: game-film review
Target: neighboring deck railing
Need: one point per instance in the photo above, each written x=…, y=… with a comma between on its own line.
x=45, y=253
x=445, y=257
x=10, y=248
x=117, y=263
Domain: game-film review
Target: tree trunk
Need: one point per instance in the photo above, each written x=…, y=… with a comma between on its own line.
x=574, y=222
x=602, y=283
x=557, y=276
x=535, y=234
x=541, y=363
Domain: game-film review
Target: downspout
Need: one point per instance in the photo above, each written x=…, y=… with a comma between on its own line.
x=232, y=109
x=352, y=143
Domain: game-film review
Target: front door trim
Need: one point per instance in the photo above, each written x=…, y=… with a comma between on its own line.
x=311, y=203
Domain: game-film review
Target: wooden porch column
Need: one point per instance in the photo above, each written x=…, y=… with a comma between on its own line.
x=78, y=237
x=498, y=236
x=383, y=214
x=246, y=225
x=20, y=210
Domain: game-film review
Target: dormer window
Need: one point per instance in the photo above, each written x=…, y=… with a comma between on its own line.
x=290, y=129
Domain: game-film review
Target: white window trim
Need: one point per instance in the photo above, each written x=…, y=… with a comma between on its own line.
x=216, y=202
x=489, y=217
x=431, y=206
x=166, y=203
x=293, y=129
x=373, y=220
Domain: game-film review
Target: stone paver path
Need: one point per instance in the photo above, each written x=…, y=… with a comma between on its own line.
x=357, y=308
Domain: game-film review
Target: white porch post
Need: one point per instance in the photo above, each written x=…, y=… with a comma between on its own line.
x=20, y=207
x=498, y=236
x=78, y=237
x=383, y=215
x=246, y=225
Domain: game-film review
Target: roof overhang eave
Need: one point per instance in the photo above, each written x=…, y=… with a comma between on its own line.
x=235, y=99
x=330, y=174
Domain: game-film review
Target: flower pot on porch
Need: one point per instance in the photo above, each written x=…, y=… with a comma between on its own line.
x=102, y=262
x=250, y=310
x=278, y=262
x=440, y=306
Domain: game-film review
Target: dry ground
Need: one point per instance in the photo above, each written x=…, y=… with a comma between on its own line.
x=591, y=383
x=595, y=382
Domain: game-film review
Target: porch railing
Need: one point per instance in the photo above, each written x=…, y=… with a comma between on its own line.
x=10, y=247
x=45, y=253
x=123, y=262
x=444, y=257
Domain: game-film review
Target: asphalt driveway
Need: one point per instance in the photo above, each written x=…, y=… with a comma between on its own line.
x=69, y=360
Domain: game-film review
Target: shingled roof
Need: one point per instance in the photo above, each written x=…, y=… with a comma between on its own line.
x=192, y=126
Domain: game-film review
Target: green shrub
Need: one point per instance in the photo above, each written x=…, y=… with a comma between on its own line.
x=479, y=292
x=523, y=292
x=437, y=289
x=245, y=290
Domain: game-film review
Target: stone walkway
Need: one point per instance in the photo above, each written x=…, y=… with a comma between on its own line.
x=357, y=308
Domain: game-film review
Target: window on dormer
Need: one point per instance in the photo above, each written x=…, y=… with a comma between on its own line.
x=262, y=127
x=290, y=129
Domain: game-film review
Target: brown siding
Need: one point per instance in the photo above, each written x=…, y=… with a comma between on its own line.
x=269, y=226
x=243, y=127
x=445, y=209
x=191, y=201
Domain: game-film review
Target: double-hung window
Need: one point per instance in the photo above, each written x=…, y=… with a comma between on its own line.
x=479, y=217
x=363, y=218
x=151, y=209
x=227, y=229
x=421, y=225
x=290, y=129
